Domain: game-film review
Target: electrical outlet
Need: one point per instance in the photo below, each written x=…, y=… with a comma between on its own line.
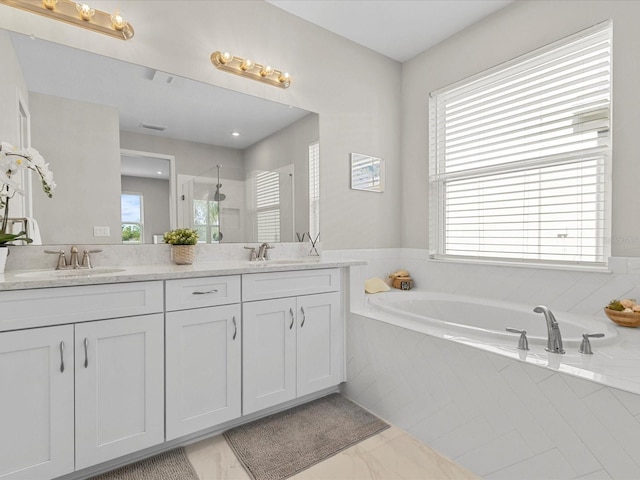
x=101, y=232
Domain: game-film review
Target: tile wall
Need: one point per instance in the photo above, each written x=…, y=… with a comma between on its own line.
x=501, y=418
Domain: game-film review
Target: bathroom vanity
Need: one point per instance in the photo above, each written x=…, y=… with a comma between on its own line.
x=101, y=369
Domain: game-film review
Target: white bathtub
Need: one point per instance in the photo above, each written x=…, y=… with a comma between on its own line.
x=486, y=320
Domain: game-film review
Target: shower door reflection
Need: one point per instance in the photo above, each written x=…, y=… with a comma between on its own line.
x=227, y=204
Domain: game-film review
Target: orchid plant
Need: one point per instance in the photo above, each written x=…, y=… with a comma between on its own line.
x=12, y=161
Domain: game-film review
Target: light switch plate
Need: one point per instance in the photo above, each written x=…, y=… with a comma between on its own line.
x=101, y=231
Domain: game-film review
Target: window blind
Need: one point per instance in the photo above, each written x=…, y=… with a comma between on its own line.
x=314, y=189
x=268, y=206
x=519, y=157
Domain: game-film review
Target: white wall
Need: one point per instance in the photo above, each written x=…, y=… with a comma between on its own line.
x=355, y=91
x=289, y=146
x=11, y=85
x=81, y=143
x=513, y=31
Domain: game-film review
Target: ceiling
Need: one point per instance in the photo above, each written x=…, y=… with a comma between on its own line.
x=399, y=29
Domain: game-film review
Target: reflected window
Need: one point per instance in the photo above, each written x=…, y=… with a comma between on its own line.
x=131, y=211
x=268, y=206
x=206, y=220
x=314, y=189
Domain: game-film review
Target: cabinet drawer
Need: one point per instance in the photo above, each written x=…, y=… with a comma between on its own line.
x=202, y=292
x=54, y=306
x=262, y=286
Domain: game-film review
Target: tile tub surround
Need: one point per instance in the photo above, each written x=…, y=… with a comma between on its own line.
x=574, y=291
x=498, y=417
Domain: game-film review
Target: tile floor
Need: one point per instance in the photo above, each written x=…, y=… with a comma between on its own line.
x=391, y=455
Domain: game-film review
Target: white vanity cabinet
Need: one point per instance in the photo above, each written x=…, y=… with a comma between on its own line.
x=36, y=403
x=293, y=345
x=119, y=387
x=203, y=353
x=63, y=409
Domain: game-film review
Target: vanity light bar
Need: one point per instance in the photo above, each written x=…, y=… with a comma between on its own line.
x=246, y=68
x=79, y=14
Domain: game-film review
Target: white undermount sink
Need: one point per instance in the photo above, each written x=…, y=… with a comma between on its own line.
x=72, y=273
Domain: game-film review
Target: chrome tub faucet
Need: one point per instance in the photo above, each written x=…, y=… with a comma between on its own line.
x=554, y=337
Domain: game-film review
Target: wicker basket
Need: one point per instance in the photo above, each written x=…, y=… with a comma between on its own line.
x=626, y=319
x=183, y=254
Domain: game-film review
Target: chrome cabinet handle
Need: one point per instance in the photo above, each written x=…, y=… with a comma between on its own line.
x=205, y=293
x=291, y=313
x=304, y=317
x=86, y=354
x=235, y=328
x=61, y=357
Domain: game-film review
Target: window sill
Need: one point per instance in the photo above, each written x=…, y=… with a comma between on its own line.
x=522, y=264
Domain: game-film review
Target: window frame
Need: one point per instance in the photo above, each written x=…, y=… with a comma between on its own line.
x=437, y=203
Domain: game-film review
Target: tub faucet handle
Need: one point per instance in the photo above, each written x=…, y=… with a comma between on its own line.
x=585, y=345
x=523, y=343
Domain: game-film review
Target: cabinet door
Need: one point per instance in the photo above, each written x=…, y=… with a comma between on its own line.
x=36, y=403
x=119, y=387
x=203, y=361
x=269, y=351
x=320, y=342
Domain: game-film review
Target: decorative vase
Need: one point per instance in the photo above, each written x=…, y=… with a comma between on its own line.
x=183, y=254
x=4, y=253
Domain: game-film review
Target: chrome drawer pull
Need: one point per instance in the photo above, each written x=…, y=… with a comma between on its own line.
x=304, y=317
x=86, y=355
x=291, y=312
x=235, y=328
x=61, y=357
x=205, y=293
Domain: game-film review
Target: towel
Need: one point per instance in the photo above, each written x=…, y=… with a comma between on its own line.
x=375, y=285
x=30, y=226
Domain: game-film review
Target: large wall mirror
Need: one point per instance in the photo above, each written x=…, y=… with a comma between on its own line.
x=142, y=151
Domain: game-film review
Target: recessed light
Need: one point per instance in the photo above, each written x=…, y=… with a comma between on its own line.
x=159, y=172
x=235, y=134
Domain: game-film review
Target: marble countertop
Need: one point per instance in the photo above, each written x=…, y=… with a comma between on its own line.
x=26, y=279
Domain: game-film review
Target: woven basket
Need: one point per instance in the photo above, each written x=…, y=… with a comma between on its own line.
x=183, y=254
x=626, y=319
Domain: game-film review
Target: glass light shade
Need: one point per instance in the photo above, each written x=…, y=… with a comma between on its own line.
x=85, y=11
x=284, y=77
x=118, y=21
x=50, y=4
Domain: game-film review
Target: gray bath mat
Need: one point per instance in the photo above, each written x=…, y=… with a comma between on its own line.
x=171, y=465
x=281, y=445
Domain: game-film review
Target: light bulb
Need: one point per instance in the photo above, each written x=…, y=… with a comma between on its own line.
x=118, y=21
x=266, y=71
x=284, y=77
x=49, y=4
x=225, y=57
x=85, y=11
x=246, y=65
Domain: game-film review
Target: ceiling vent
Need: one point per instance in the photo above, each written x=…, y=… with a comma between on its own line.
x=151, y=126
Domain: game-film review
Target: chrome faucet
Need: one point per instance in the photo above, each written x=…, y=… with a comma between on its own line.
x=262, y=251
x=554, y=337
x=73, y=259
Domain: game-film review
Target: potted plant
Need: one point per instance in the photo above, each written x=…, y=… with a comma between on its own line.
x=12, y=162
x=183, y=245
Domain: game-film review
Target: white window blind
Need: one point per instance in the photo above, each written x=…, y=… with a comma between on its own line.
x=314, y=189
x=519, y=157
x=268, y=206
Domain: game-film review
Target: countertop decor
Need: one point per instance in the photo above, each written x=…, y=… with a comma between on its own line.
x=12, y=162
x=183, y=245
